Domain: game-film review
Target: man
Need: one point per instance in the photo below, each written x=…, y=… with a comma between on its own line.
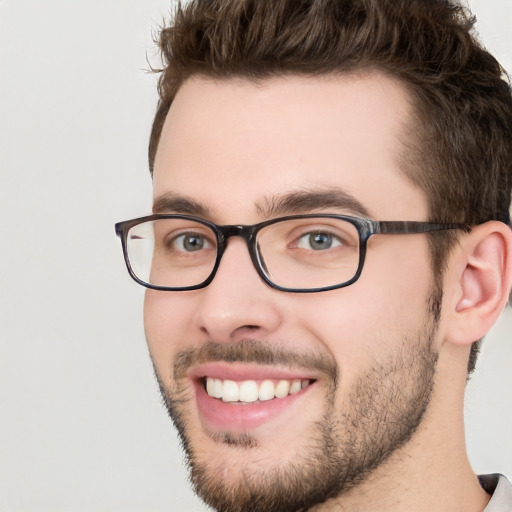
x=311, y=358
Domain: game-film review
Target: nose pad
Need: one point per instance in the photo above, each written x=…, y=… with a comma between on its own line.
x=237, y=303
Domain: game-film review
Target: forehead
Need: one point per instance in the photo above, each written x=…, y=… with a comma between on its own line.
x=235, y=145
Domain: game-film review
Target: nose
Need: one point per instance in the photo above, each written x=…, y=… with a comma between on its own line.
x=237, y=304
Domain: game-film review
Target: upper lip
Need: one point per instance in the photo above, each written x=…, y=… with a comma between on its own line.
x=244, y=371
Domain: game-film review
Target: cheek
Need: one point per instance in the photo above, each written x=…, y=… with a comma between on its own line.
x=167, y=321
x=398, y=282
x=365, y=322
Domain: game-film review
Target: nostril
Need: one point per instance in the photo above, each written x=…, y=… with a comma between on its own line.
x=248, y=330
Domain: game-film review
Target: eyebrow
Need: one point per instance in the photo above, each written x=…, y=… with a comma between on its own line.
x=296, y=202
x=309, y=200
x=170, y=202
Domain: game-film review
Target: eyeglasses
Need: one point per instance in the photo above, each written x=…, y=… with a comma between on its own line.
x=300, y=253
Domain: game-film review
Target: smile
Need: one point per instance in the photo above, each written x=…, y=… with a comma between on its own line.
x=239, y=397
x=251, y=391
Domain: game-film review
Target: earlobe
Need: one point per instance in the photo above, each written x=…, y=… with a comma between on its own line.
x=484, y=281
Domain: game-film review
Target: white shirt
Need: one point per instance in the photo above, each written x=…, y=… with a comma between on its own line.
x=501, y=493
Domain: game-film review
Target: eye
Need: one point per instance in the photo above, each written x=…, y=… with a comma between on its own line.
x=191, y=242
x=318, y=241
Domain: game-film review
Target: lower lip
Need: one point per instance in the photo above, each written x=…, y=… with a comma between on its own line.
x=238, y=417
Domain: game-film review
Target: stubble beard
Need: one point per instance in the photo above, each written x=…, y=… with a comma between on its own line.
x=386, y=407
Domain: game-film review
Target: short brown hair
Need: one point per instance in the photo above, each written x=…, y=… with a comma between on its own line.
x=460, y=152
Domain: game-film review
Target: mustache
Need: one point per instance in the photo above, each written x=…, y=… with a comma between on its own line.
x=253, y=351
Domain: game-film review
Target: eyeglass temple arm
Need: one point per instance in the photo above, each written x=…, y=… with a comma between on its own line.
x=404, y=227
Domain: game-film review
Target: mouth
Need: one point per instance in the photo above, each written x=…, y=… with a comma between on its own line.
x=252, y=391
x=235, y=398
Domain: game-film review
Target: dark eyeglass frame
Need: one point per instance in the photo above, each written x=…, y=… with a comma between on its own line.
x=365, y=228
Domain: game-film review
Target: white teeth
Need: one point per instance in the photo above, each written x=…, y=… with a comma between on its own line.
x=218, y=388
x=282, y=389
x=210, y=386
x=295, y=387
x=214, y=387
x=249, y=391
x=230, y=391
x=266, y=390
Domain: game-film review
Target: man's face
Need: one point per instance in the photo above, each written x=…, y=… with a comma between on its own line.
x=363, y=356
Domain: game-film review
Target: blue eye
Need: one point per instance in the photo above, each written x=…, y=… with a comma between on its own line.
x=318, y=241
x=191, y=242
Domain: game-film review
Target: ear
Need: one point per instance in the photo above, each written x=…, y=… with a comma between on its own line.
x=483, y=278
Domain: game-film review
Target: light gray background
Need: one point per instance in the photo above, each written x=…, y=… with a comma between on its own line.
x=81, y=425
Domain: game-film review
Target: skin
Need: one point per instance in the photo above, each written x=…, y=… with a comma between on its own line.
x=233, y=147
